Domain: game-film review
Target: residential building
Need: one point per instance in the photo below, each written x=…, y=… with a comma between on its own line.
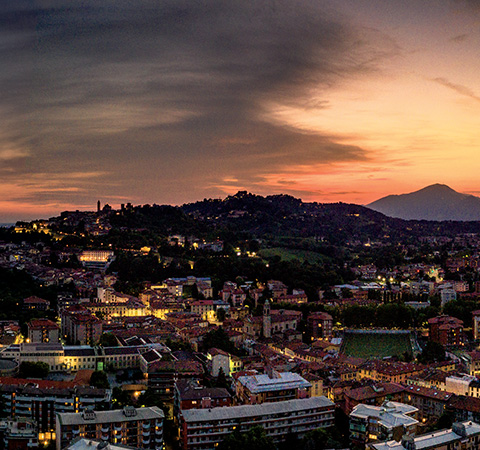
x=164, y=374
x=89, y=444
x=462, y=435
x=387, y=371
x=39, y=400
x=271, y=387
x=80, y=326
x=205, y=428
x=205, y=308
x=447, y=295
x=446, y=330
x=36, y=304
x=43, y=330
x=319, y=325
x=18, y=434
x=392, y=420
x=473, y=359
x=149, y=358
x=316, y=382
x=293, y=299
x=458, y=385
x=464, y=408
x=476, y=323
x=277, y=288
x=431, y=403
x=375, y=394
x=219, y=360
x=137, y=427
x=190, y=394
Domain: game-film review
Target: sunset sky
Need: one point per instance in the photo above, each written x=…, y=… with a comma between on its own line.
x=172, y=101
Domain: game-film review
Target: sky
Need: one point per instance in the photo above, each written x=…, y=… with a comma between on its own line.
x=173, y=101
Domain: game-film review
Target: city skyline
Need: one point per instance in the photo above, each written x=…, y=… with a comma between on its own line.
x=173, y=101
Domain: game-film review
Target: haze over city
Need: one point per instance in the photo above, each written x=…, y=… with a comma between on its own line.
x=174, y=101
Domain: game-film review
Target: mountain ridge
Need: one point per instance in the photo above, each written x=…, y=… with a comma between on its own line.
x=436, y=202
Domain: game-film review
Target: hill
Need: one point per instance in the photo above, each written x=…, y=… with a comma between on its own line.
x=436, y=202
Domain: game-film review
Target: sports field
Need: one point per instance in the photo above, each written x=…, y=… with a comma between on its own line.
x=376, y=343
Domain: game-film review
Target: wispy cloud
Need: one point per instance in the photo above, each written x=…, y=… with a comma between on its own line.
x=460, y=89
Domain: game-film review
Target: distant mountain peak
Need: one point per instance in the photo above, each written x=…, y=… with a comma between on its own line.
x=438, y=187
x=435, y=202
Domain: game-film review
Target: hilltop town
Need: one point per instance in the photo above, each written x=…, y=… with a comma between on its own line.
x=245, y=321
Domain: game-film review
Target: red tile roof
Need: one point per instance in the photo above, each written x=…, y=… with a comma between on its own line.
x=39, y=324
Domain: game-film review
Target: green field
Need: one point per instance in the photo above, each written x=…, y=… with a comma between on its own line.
x=288, y=254
x=376, y=344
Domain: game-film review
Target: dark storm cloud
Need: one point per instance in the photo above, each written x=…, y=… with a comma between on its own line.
x=146, y=98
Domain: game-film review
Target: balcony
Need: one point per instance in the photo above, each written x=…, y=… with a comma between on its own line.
x=146, y=425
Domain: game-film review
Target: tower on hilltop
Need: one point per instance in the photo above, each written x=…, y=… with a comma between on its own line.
x=98, y=206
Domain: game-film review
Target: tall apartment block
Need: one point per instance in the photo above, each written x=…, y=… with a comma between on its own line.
x=203, y=429
x=135, y=427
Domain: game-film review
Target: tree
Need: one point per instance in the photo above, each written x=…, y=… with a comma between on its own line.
x=221, y=314
x=218, y=339
x=321, y=439
x=444, y=421
x=99, y=379
x=152, y=398
x=221, y=380
x=33, y=370
x=253, y=439
x=121, y=398
x=108, y=340
x=433, y=352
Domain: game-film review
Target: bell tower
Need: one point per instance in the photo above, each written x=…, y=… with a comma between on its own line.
x=267, y=320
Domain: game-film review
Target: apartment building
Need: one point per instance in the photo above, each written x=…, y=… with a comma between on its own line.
x=389, y=371
x=18, y=434
x=272, y=387
x=319, y=325
x=218, y=359
x=80, y=326
x=205, y=308
x=446, y=330
x=462, y=435
x=137, y=427
x=375, y=394
x=392, y=420
x=40, y=400
x=431, y=403
x=36, y=304
x=473, y=359
x=476, y=322
x=204, y=429
x=164, y=374
x=43, y=330
x=190, y=394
